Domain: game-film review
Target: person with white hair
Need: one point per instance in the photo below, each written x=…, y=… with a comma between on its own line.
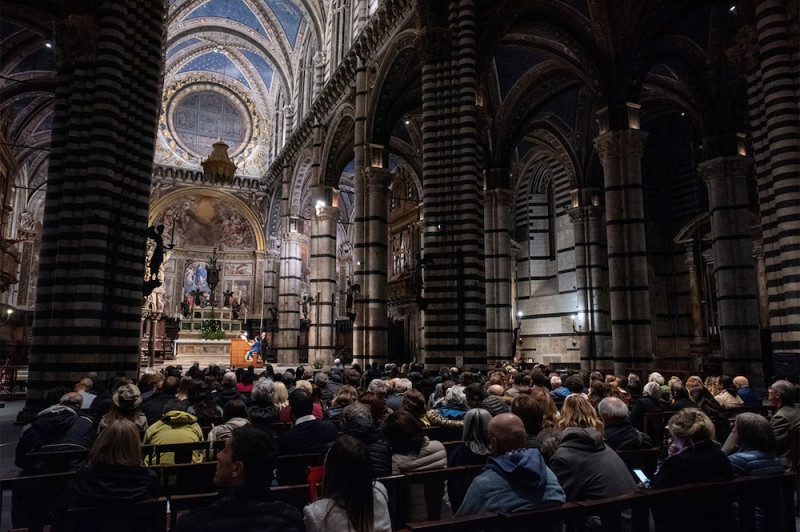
x=395, y=400
x=658, y=378
x=649, y=403
x=450, y=413
x=559, y=390
x=619, y=432
x=228, y=391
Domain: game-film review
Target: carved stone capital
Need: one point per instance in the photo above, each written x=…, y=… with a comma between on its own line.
x=326, y=213
x=320, y=59
x=725, y=168
x=584, y=214
x=624, y=142
x=376, y=179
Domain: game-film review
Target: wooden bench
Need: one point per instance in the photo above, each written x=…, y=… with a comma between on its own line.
x=34, y=498
x=292, y=468
x=183, y=452
x=143, y=516
x=182, y=479
x=477, y=523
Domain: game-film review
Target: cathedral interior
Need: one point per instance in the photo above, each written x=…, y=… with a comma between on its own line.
x=590, y=184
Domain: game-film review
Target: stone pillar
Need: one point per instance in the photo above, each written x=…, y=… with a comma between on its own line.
x=734, y=269
x=320, y=60
x=107, y=99
x=763, y=293
x=375, y=264
x=773, y=86
x=455, y=318
x=271, y=267
x=323, y=283
x=361, y=16
x=360, y=221
x=698, y=346
x=288, y=122
x=499, y=324
x=592, y=300
x=620, y=153
x=289, y=296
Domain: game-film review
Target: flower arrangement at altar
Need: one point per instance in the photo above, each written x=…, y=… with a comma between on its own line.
x=212, y=330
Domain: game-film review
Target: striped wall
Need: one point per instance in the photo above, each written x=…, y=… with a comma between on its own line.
x=289, y=280
x=774, y=98
x=88, y=309
x=455, y=318
x=499, y=324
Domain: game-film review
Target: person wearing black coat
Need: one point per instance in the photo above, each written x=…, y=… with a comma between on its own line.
x=357, y=422
x=618, y=432
x=647, y=404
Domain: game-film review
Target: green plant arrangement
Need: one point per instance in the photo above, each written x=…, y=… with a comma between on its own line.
x=318, y=363
x=212, y=330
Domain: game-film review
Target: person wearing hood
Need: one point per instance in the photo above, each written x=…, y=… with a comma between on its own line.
x=60, y=427
x=177, y=426
x=515, y=478
x=587, y=468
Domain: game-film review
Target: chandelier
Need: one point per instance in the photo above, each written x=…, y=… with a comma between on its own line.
x=218, y=167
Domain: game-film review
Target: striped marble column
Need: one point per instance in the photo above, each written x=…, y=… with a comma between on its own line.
x=455, y=319
x=499, y=324
x=590, y=276
x=775, y=118
x=323, y=283
x=271, y=267
x=620, y=153
x=289, y=281
x=288, y=121
x=320, y=61
x=107, y=96
x=361, y=352
x=734, y=267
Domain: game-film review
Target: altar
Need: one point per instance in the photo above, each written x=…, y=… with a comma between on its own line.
x=191, y=347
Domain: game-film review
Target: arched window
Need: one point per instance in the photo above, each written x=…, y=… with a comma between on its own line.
x=341, y=30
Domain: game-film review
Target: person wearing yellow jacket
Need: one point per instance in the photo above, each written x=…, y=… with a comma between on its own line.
x=176, y=426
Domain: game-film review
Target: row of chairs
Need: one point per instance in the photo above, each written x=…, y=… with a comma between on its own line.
x=744, y=504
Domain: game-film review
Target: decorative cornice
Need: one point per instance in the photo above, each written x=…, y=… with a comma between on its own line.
x=614, y=143
x=736, y=166
x=584, y=214
x=170, y=175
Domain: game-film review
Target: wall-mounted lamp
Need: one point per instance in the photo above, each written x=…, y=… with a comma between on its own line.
x=376, y=155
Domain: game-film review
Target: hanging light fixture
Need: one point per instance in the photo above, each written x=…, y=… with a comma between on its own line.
x=219, y=167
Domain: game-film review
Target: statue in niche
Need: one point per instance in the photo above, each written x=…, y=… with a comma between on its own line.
x=226, y=302
x=352, y=290
x=151, y=280
x=418, y=280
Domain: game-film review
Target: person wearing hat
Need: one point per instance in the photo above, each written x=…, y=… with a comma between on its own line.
x=126, y=402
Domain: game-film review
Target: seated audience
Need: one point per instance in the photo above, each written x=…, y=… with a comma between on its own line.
x=316, y=409
x=515, y=478
x=494, y=402
x=559, y=391
x=749, y=398
x=245, y=385
x=347, y=395
x=84, y=388
x=728, y=395
x=753, y=436
x=352, y=500
x=234, y=416
x=619, y=433
x=261, y=407
x=680, y=396
x=228, y=391
x=61, y=427
x=376, y=405
x=587, y=468
x=450, y=413
x=474, y=449
x=529, y=410
x=356, y=421
x=412, y=451
x=414, y=403
x=659, y=379
x=244, y=473
x=786, y=417
x=634, y=384
x=693, y=454
x=154, y=407
x=176, y=426
x=114, y=473
x=203, y=407
x=578, y=412
x=281, y=395
x=647, y=404
x=309, y=434
x=395, y=400
x=126, y=403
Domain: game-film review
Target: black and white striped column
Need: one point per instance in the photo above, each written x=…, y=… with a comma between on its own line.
x=89, y=302
x=323, y=283
x=455, y=319
x=592, y=324
x=289, y=279
x=499, y=322
x=773, y=89
x=620, y=153
x=734, y=267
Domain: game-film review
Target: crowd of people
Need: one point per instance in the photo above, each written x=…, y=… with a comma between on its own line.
x=544, y=437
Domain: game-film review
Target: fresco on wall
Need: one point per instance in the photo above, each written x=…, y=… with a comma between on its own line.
x=195, y=287
x=203, y=221
x=237, y=297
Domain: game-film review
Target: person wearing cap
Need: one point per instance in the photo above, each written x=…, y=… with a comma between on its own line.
x=126, y=403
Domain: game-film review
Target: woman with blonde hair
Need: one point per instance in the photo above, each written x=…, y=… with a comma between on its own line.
x=347, y=395
x=577, y=411
x=281, y=399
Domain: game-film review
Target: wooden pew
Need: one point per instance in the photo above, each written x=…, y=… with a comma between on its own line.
x=477, y=523
x=183, y=479
x=184, y=452
x=34, y=498
x=292, y=467
x=143, y=516
x=60, y=461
